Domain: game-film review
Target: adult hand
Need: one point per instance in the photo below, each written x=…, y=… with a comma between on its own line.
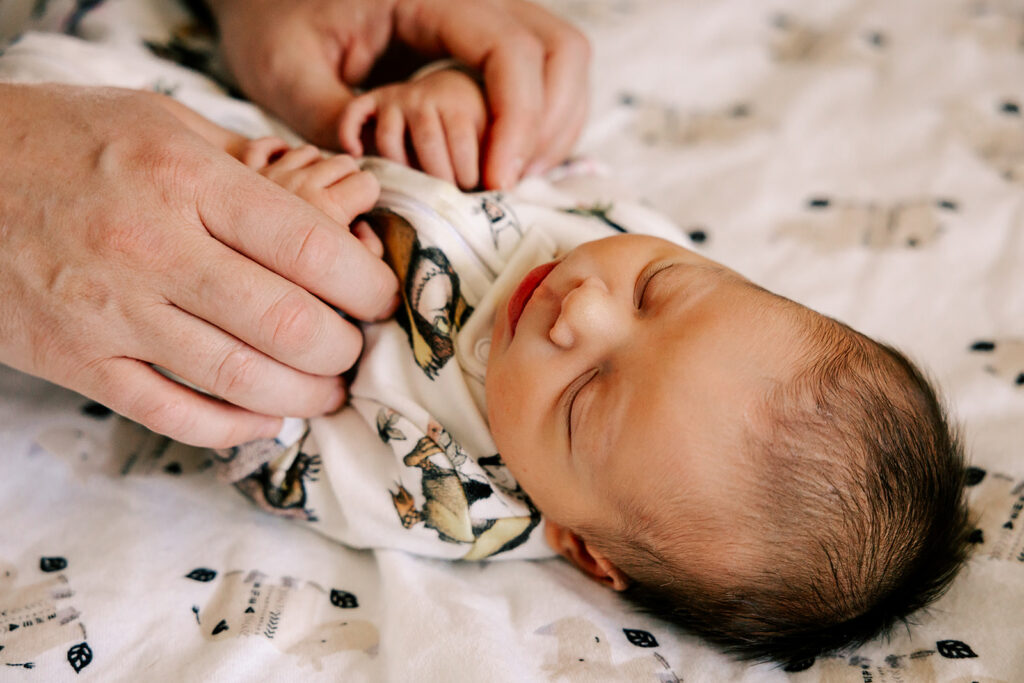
x=127, y=240
x=297, y=58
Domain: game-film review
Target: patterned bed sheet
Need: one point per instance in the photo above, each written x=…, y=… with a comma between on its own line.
x=863, y=157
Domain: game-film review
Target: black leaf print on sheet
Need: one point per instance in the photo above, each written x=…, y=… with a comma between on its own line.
x=955, y=649
x=79, y=656
x=222, y=625
x=343, y=599
x=52, y=564
x=640, y=638
x=201, y=574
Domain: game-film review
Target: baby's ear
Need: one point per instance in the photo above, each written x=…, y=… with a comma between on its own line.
x=589, y=560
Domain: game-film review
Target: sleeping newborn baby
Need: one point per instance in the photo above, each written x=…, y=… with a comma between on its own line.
x=564, y=378
x=569, y=378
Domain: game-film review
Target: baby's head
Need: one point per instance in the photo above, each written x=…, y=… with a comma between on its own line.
x=739, y=464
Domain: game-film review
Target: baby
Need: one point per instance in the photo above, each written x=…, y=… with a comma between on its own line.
x=732, y=461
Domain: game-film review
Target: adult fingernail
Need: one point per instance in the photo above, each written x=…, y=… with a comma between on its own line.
x=511, y=176
x=389, y=309
x=517, y=169
x=269, y=429
x=535, y=169
x=337, y=399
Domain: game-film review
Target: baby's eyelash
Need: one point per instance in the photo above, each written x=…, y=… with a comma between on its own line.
x=646, y=275
x=573, y=391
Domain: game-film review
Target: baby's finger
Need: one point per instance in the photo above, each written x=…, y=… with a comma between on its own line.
x=390, y=135
x=365, y=234
x=354, y=118
x=327, y=172
x=428, y=140
x=294, y=159
x=261, y=152
x=351, y=196
x=463, y=150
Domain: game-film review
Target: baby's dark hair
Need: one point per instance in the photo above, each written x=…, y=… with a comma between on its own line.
x=859, y=513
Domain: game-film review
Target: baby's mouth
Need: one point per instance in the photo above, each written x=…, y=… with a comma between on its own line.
x=521, y=296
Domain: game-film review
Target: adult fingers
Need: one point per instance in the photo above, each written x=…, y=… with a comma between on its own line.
x=298, y=242
x=205, y=356
x=137, y=391
x=428, y=140
x=558, y=142
x=390, y=135
x=292, y=326
x=463, y=149
x=515, y=120
x=566, y=76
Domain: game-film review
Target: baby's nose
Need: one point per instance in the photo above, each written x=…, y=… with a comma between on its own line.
x=588, y=312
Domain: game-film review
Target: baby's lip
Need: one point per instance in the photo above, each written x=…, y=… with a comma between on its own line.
x=521, y=296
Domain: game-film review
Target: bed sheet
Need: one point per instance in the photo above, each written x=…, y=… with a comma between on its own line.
x=863, y=157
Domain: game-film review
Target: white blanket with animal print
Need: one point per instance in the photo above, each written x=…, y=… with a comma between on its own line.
x=863, y=157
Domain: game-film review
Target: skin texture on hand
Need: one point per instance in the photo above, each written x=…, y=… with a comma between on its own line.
x=299, y=58
x=128, y=240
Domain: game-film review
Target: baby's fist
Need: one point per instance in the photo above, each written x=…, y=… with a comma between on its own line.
x=439, y=120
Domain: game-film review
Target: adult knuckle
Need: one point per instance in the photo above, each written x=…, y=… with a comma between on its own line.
x=315, y=254
x=125, y=238
x=170, y=416
x=419, y=117
x=575, y=44
x=166, y=163
x=291, y=322
x=236, y=372
x=524, y=44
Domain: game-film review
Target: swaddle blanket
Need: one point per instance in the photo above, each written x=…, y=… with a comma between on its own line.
x=859, y=156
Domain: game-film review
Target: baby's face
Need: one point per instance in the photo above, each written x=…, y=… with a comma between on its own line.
x=631, y=369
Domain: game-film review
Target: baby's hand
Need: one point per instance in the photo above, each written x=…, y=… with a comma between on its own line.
x=445, y=113
x=333, y=184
